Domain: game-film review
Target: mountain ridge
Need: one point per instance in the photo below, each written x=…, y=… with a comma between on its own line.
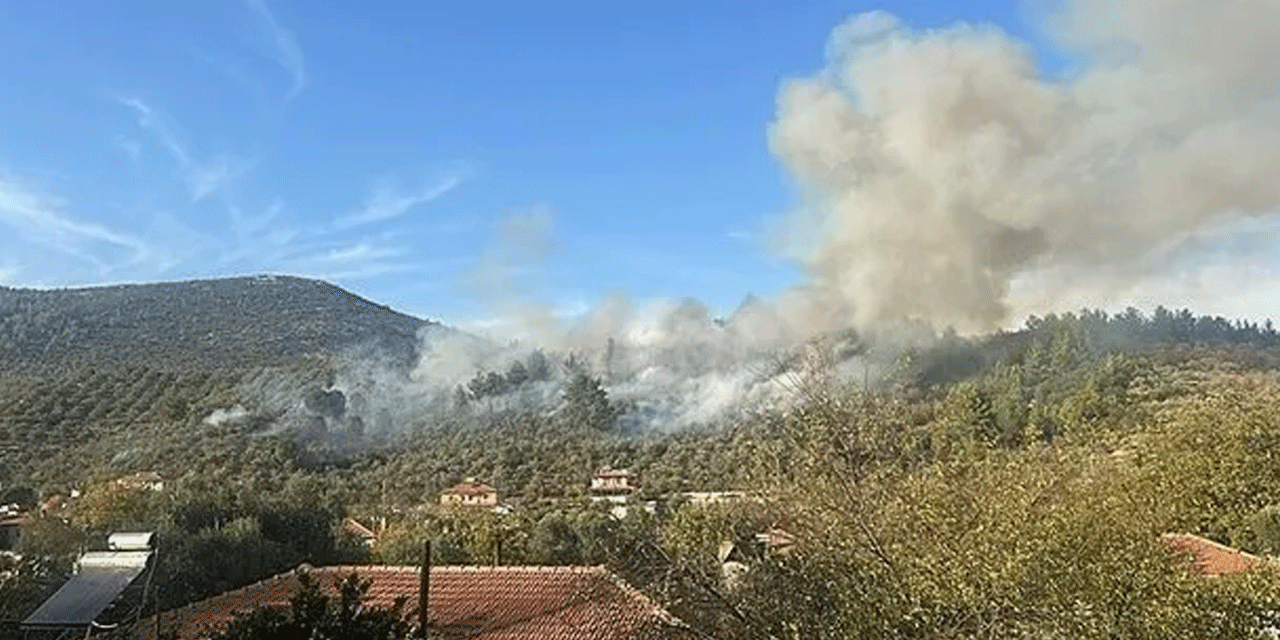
x=213, y=323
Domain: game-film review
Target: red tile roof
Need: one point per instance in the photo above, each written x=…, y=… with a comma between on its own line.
x=353, y=527
x=478, y=603
x=470, y=489
x=609, y=472
x=1212, y=559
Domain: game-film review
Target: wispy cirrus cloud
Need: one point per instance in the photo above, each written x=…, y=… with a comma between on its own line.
x=389, y=199
x=367, y=258
x=202, y=176
x=281, y=45
x=42, y=218
x=130, y=147
x=208, y=178
x=360, y=252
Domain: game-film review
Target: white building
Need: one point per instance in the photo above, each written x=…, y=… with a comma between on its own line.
x=616, y=486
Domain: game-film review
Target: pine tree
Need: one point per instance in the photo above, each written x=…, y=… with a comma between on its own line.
x=587, y=403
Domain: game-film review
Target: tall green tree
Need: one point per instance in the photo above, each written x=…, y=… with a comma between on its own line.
x=313, y=615
x=587, y=403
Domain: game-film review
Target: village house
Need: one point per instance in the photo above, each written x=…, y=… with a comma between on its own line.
x=474, y=602
x=1211, y=560
x=613, y=485
x=360, y=532
x=469, y=493
x=616, y=487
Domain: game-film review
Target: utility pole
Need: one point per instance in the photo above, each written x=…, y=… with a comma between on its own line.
x=424, y=590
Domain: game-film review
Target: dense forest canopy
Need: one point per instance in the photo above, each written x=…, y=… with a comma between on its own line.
x=1010, y=485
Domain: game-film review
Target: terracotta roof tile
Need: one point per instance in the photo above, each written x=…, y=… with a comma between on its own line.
x=470, y=489
x=609, y=472
x=352, y=526
x=479, y=603
x=1212, y=559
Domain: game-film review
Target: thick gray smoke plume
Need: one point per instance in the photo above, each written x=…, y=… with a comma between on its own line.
x=941, y=169
x=941, y=172
x=672, y=361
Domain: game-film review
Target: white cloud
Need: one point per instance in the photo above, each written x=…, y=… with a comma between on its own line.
x=130, y=147
x=281, y=46
x=359, y=272
x=282, y=236
x=42, y=217
x=202, y=177
x=206, y=179
x=361, y=251
x=388, y=200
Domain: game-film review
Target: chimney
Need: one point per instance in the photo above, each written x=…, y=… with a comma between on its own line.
x=424, y=590
x=497, y=551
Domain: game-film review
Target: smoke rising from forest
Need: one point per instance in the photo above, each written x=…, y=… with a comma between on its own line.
x=939, y=171
x=940, y=167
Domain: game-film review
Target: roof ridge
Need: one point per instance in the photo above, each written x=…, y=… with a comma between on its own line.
x=574, y=581
x=227, y=594
x=1216, y=545
x=638, y=595
x=526, y=568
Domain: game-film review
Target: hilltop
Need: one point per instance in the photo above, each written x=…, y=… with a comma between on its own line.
x=211, y=325
x=1046, y=456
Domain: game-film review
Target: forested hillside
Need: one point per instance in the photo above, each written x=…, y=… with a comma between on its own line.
x=198, y=325
x=1008, y=486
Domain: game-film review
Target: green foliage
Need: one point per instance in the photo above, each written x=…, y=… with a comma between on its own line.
x=1030, y=543
x=50, y=537
x=1211, y=455
x=313, y=614
x=1006, y=487
x=574, y=533
x=108, y=506
x=27, y=580
x=555, y=541
x=206, y=325
x=587, y=403
x=490, y=384
x=1266, y=529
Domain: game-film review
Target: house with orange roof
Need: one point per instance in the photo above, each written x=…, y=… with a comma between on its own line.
x=359, y=531
x=469, y=493
x=478, y=603
x=612, y=484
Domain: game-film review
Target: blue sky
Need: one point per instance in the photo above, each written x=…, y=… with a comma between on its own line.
x=378, y=144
